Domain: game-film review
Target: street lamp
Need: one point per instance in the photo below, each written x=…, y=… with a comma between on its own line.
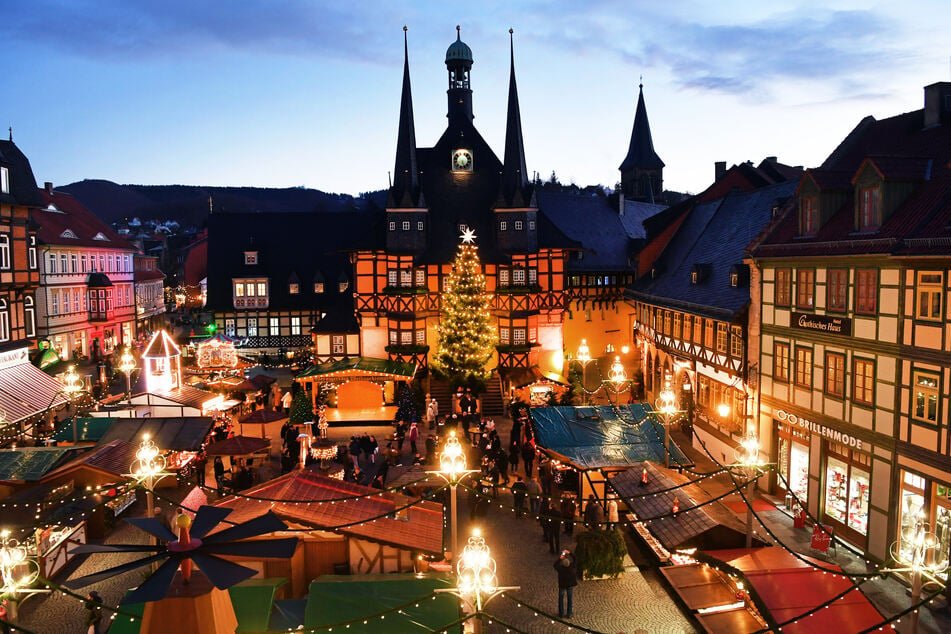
x=584, y=358
x=18, y=571
x=666, y=408
x=476, y=582
x=452, y=469
x=922, y=559
x=126, y=366
x=748, y=459
x=147, y=470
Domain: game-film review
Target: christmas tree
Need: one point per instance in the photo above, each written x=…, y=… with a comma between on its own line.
x=301, y=408
x=466, y=335
x=405, y=407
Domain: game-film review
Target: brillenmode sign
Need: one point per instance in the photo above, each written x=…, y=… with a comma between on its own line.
x=822, y=323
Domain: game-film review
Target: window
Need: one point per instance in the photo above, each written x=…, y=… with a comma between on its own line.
x=420, y=277
x=721, y=337
x=262, y=289
x=863, y=381
x=393, y=337
x=698, y=330
x=392, y=277
x=518, y=276
x=462, y=228
x=84, y=265
x=866, y=292
x=803, y=367
x=805, y=288
x=835, y=374
x=421, y=337
x=678, y=327
x=293, y=288
x=668, y=322
x=406, y=337
x=869, y=209
x=503, y=277
x=533, y=276
x=503, y=225
x=51, y=265
x=809, y=220
x=503, y=335
x=518, y=336
x=708, y=334
x=76, y=294
x=249, y=289
x=295, y=325
x=318, y=287
x=837, y=289
x=62, y=264
x=250, y=257
x=736, y=342
x=694, y=277
x=734, y=279
x=239, y=290
x=4, y=321
x=5, y=180
x=406, y=278
x=4, y=251
x=342, y=286
x=688, y=322
x=419, y=225
x=925, y=400
x=31, y=251
x=73, y=264
x=783, y=285
x=54, y=295
x=531, y=225
x=274, y=328
x=406, y=225
x=518, y=225
x=781, y=362
x=102, y=264
x=336, y=344
x=252, y=327
x=29, y=314
x=929, y=293
x=229, y=327
x=392, y=225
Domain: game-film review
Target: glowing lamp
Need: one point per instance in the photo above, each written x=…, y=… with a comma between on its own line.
x=723, y=410
x=452, y=460
x=584, y=354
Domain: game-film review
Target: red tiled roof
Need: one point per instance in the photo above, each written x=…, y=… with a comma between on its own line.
x=146, y=276
x=422, y=530
x=899, y=168
x=80, y=221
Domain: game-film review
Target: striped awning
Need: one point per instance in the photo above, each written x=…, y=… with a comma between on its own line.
x=26, y=391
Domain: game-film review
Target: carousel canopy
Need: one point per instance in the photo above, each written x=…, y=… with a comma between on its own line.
x=360, y=367
x=603, y=437
x=238, y=446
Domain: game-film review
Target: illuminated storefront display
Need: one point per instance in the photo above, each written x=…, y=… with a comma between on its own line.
x=929, y=501
x=847, y=489
x=794, y=461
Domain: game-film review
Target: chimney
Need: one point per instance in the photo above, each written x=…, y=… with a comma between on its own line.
x=771, y=159
x=49, y=187
x=719, y=169
x=937, y=104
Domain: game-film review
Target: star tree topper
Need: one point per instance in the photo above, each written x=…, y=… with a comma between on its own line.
x=468, y=236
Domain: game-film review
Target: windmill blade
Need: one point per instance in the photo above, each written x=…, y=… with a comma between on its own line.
x=111, y=572
x=114, y=548
x=207, y=518
x=153, y=527
x=155, y=588
x=261, y=525
x=278, y=548
x=222, y=572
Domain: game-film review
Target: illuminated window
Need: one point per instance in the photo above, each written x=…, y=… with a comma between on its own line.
x=229, y=327
x=421, y=337
x=252, y=327
x=805, y=288
x=406, y=225
x=736, y=342
x=274, y=326
x=532, y=276
x=5, y=180
x=708, y=334
x=295, y=325
x=866, y=292
x=503, y=277
x=809, y=219
x=781, y=362
x=503, y=225
x=678, y=320
x=518, y=276
x=518, y=225
x=419, y=225
x=869, y=209
x=930, y=292
x=392, y=225
x=318, y=287
x=721, y=337
x=393, y=337
x=504, y=335
x=803, y=367
x=698, y=330
x=518, y=336
x=293, y=288
x=4, y=251
x=262, y=289
x=863, y=378
x=406, y=278
x=392, y=277
x=420, y=277
x=406, y=337
x=336, y=342
x=531, y=225
x=837, y=289
x=925, y=400
x=250, y=257
x=342, y=286
x=783, y=284
x=835, y=374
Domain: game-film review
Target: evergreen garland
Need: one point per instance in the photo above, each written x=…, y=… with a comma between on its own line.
x=466, y=335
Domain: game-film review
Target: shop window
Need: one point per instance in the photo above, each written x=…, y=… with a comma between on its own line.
x=274, y=326
x=804, y=367
x=863, y=381
x=805, y=288
x=925, y=399
x=252, y=327
x=930, y=294
x=783, y=286
x=912, y=510
x=721, y=338
x=835, y=374
x=736, y=342
x=794, y=462
x=809, y=216
x=942, y=521
x=847, y=488
x=336, y=344
x=837, y=289
x=229, y=327
x=866, y=292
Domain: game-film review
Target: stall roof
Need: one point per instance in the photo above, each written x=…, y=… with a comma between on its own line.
x=31, y=463
x=174, y=434
x=88, y=429
x=603, y=436
x=238, y=446
x=336, y=599
x=356, y=366
x=115, y=459
x=522, y=377
x=421, y=530
x=26, y=391
x=789, y=587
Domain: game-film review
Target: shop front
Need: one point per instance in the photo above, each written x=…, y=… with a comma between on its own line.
x=928, y=500
x=793, y=462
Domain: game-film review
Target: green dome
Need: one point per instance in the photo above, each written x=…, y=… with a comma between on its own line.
x=458, y=51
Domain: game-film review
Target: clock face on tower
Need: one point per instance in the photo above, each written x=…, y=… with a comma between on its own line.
x=461, y=161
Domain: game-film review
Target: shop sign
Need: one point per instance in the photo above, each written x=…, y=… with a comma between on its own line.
x=820, y=430
x=11, y=358
x=821, y=538
x=822, y=323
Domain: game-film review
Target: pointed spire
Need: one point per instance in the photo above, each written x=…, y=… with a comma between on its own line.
x=641, y=152
x=514, y=173
x=11, y=132
x=406, y=172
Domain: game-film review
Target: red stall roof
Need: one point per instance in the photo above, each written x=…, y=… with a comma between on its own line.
x=789, y=587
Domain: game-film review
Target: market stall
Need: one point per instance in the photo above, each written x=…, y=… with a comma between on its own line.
x=261, y=417
x=181, y=438
x=537, y=388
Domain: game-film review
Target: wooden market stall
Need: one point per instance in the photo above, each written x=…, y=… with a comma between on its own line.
x=182, y=438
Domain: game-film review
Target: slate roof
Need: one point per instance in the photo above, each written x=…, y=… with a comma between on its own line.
x=301, y=244
x=640, y=152
x=715, y=233
x=421, y=530
x=171, y=434
x=115, y=458
x=606, y=238
x=72, y=218
x=23, y=189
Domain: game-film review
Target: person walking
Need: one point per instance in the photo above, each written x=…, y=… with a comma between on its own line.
x=613, y=519
x=413, y=437
x=374, y=449
x=286, y=401
x=432, y=411
x=593, y=514
x=93, y=616
x=528, y=457
x=567, y=569
x=535, y=494
x=518, y=494
x=513, y=456
x=354, y=449
x=546, y=475
x=219, y=468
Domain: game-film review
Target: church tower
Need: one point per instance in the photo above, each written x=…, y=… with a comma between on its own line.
x=642, y=172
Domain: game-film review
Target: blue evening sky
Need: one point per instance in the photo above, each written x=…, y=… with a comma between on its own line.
x=300, y=92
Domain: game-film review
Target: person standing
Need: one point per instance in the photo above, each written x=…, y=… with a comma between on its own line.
x=354, y=449
x=219, y=468
x=413, y=437
x=546, y=475
x=518, y=493
x=568, y=511
x=528, y=457
x=554, y=528
x=374, y=449
x=432, y=411
x=535, y=494
x=593, y=514
x=201, y=463
x=93, y=617
x=286, y=401
x=613, y=519
x=567, y=570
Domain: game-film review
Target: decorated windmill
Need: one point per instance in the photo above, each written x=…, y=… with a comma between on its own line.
x=175, y=598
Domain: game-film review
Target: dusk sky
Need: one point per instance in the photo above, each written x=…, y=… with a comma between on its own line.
x=277, y=94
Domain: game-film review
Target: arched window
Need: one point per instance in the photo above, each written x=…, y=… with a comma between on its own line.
x=29, y=314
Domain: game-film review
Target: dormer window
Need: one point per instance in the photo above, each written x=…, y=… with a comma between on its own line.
x=734, y=279
x=739, y=276
x=5, y=180
x=318, y=287
x=518, y=225
x=809, y=220
x=694, y=277
x=100, y=236
x=68, y=233
x=870, y=209
x=250, y=257
x=293, y=288
x=343, y=286
x=392, y=225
